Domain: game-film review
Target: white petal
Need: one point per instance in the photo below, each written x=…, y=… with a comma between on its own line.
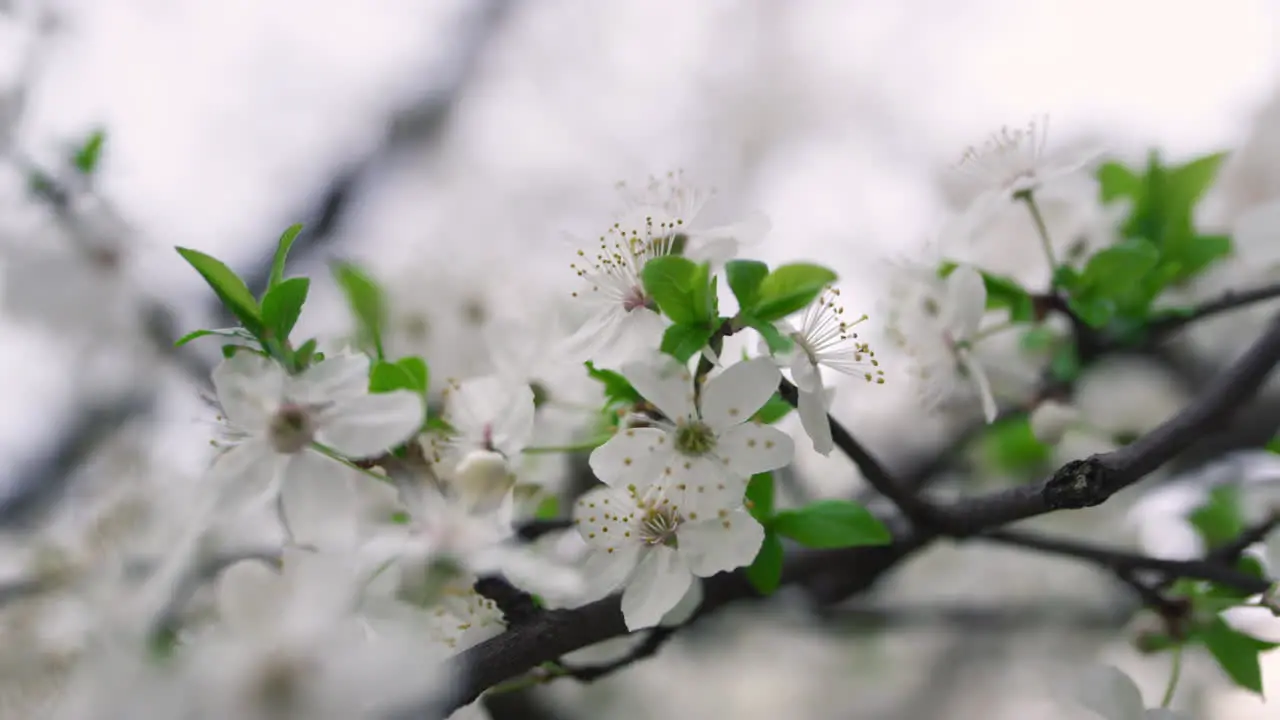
x=702, y=486
x=249, y=388
x=665, y=383
x=804, y=373
x=631, y=457
x=688, y=605
x=318, y=498
x=251, y=597
x=812, y=407
x=966, y=301
x=322, y=586
x=248, y=475
x=752, y=448
x=604, y=572
x=368, y=425
x=1110, y=693
x=514, y=426
x=980, y=382
x=660, y=582
x=337, y=377
x=734, y=395
x=480, y=407
x=720, y=544
x=603, y=517
x=601, y=329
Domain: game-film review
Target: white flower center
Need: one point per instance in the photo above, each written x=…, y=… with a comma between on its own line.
x=292, y=428
x=694, y=438
x=658, y=524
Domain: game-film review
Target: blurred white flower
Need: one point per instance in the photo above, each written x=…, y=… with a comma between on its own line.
x=824, y=339
x=671, y=206
x=1111, y=694
x=656, y=546
x=707, y=448
x=935, y=322
x=491, y=420
x=272, y=419
x=1051, y=419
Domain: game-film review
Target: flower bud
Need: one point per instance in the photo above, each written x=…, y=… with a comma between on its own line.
x=483, y=479
x=1051, y=420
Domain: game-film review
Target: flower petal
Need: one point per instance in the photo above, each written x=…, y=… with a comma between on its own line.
x=966, y=301
x=599, y=330
x=249, y=388
x=603, y=572
x=734, y=395
x=978, y=375
x=337, y=377
x=317, y=496
x=684, y=610
x=660, y=582
x=251, y=597
x=804, y=372
x=603, y=517
x=631, y=457
x=370, y=424
x=752, y=448
x=1110, y=693
x=720, y=544
x=248, y=475
x=665, y=383
x=514, y=426
x=703, y=486
x=812, y=407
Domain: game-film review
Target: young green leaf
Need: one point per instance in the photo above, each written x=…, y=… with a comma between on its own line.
x=229, y=288
x=1187, y=183
x=305, y=353
x=282, y=253
x=760, y=497
x=1117, y=181
x=777, y=342
x=238, y=333
x=364, y=296
x=789, y=288
x=616, y=387
x=386, y=377
x=416, y=368
x=548, y=508
x=774, y=409
x=672, y=282
x=765, y=573
x=1236, y=653
x=832, y=524
x=90, y=153
x=1221, y=518
x=744, y=278
x=1064, y=364
x=684, y=341
x=282, y=305
x=1111, y=270
x=1010, y=446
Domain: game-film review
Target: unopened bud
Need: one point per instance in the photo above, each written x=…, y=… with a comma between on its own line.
x=1051, y=420
x=483, y=479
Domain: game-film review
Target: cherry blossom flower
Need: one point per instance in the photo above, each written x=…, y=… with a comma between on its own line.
x=707, y=448
x=824, y=339
x=655, y=547
x=935, y=322
x=273, y=419
x=1111, y=694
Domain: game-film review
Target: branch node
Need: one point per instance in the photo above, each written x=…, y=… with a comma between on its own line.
x=517, y=606
x=1078, y=484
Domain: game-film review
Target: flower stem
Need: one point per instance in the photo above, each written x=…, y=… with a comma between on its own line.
x=1174, y=675
x=580, y=447
x=1042, y=230
x=990, y=331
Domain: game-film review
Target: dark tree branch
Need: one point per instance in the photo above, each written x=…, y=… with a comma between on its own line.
x=517, y=606
x=1228, y=301
x=643, y=650
x=1086, y=483
x=1125, y=562
x=534, y=529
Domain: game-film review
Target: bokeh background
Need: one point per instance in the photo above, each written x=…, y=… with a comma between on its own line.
x=456, y=147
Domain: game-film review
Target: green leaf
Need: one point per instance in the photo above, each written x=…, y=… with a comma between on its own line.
x=386, y=377
x=774, y=409
x=704, y=293
x=548, y=508
x=1117, y=181
x=1064, y=364
x=229, y=288
x=684, y=341
x=1113, y=269
x=765, y=572
x=1236, y=653
x=1221, y=519
x=282, y=305
x=790, y=288
x=1038, y=338
x=239, y=333
x=282, y=253
x=832, y=524
x=777, y=342
x=1010, y=446
x=744, y=278
x=1095, y=312
x=305, y=353
x=616, y=387
x=1188, y=183
x=672, y=282
x=364, y=296
x=1273, y=445
x=90, y=153
x=416, y=368
x=760, y=497
x=1197, y=253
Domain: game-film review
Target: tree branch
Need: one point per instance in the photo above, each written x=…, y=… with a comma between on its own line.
x=1228, y=301
x=643, y=650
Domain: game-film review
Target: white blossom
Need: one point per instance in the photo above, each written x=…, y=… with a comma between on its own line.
x=1051, y=419
x=935, y=322
x=655, y=547
x=670, y=203
x=272, y=419
x=824, y=339
x=1111, y=694
x=707, y=447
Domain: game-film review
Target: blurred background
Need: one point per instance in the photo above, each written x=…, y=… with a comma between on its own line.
x=457, y=147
